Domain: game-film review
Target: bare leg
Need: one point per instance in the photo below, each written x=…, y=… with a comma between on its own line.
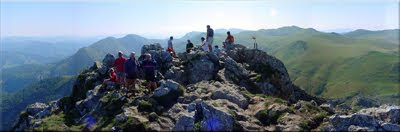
x=155, y=85
x=148, y=85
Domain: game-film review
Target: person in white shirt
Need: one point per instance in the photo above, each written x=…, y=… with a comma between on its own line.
x=204, y=44
x=170, y=48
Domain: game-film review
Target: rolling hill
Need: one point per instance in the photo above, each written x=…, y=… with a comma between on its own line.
x=331, y=65
x=45, y=90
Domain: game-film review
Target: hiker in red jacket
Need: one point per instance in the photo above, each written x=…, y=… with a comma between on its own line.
x=112, y=80
x=119, y=66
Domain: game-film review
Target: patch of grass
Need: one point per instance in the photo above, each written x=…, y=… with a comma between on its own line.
x=304, y=126
x=267, y=117
x=133, y=124
x=197, y=127
x=145, y=106
x=215, y=104
x=309, y=108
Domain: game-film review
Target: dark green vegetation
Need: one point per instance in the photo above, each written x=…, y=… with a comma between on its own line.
x=41, y=91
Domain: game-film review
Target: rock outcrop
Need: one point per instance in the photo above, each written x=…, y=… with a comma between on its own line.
x=383, y=118
x=241, y=90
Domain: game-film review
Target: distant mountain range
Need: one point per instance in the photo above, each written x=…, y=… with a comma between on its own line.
x=332, y=65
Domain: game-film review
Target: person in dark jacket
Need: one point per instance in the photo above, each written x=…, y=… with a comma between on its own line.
x=189, y=46
x=149, y=68
x=130, y=70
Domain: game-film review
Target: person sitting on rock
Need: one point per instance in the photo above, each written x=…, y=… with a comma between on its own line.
x=112, y=80
x=149, y=68
x=229, y=39
x=189, y=46
x=217, y=51
x=170, y=48
x=119, y=66
x=204, y=44
x=130, y=70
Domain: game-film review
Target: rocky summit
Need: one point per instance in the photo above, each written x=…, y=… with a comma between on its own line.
x=241, y=90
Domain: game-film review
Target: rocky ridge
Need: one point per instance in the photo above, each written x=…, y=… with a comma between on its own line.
x=243, y=89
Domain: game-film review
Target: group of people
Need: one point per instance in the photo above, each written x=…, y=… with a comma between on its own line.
x=127, y=70
x=206, y=43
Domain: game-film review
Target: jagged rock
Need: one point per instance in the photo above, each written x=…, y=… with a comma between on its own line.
x=390, y=127
x=214, y=119
x=385, y=117
x=342, y=122
x=235, y=71
x=232, y=95
x=177, y=74
x=177, y=111
x=43, y=113
x=271, y=114
x=36, y=124
x=354, y=128
x=327, y=107
x=88, y=104
x=364, y=102
x=201, y=70
x=108, y=60
x=168, y=92
x=272, y=71
x=267, y=88
x=185, y=122
x=35, y=108
x=386, y=113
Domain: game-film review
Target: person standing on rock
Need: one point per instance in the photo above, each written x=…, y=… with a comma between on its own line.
x=229, y=40
x=204, y=45
x=130, y=70
x=149, y=68
x=170, y=48
x=189, y=46
x=210, y=37
x=119, y=66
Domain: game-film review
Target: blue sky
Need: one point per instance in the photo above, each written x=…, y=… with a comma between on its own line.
x=162, y=18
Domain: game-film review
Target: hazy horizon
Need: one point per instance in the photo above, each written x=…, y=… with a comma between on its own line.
x=160, y=19
x=152, y=36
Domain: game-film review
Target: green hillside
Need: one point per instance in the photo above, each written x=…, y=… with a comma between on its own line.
x=85, y=57
x=334, y=65
x=18, y=77
x=325, y=64
x=41, y=91
x=329, y=64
